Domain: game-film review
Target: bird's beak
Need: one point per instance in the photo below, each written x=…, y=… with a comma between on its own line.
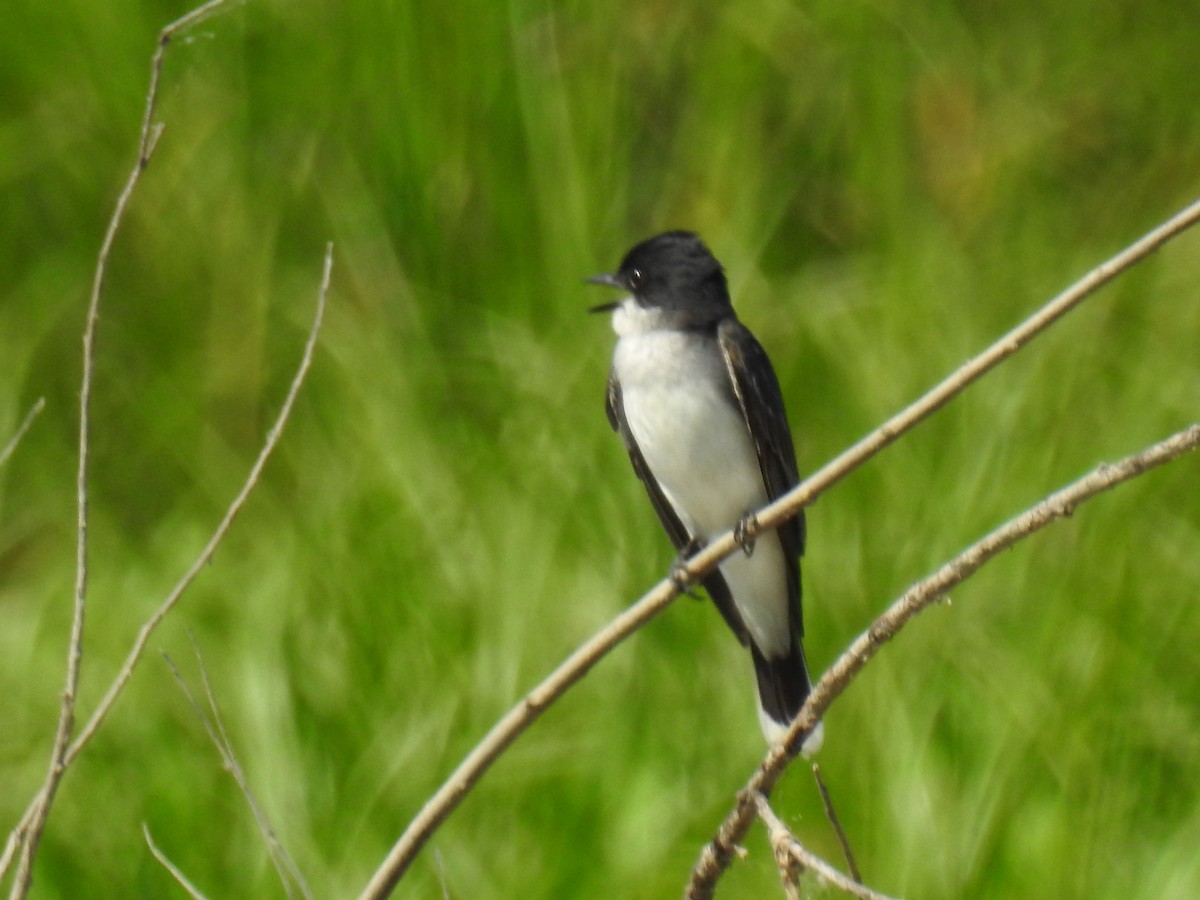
x=607, y=280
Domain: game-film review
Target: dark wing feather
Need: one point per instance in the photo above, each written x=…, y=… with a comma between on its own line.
x=714, y=583
x=666, y=514
x=757, y=391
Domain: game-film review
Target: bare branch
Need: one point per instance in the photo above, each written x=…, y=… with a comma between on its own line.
x=66, y=719
x=21, y=429
x=791, y=870
x=787, y=847
x=175, y=871
x=717, y=855
x=523, y=715
x=20, y=834
x=272, y=439
x=28, y=834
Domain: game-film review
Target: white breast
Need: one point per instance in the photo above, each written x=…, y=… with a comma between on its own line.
x=692, y=437
x=674, y=388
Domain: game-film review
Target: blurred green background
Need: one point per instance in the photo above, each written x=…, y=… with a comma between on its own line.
x=889, y=186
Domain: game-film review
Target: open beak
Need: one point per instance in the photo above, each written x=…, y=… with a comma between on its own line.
x=607, y=280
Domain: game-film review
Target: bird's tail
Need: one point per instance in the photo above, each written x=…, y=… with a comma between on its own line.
x=783, y=686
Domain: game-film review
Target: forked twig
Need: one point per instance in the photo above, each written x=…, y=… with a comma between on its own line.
x=24, y=829
x=785, y=845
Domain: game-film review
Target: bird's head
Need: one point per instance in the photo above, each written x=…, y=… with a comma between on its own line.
x=673, y=275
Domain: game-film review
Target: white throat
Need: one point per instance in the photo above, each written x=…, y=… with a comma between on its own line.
x=630, y=318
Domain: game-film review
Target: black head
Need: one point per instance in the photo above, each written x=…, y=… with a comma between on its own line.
x=676, y=273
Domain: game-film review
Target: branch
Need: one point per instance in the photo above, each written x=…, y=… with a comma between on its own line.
x=21, y=429
x=786, y=848
x=66, y=715
x=526, y=712
x=24, y=830
x=29, y=833
x=717, y=855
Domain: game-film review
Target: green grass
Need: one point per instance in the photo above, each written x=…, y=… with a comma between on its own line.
x=449, y=515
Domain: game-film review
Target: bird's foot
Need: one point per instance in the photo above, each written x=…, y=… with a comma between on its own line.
x=679, y=574
x=745, y=532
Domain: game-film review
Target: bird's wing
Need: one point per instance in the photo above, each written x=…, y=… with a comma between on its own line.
x=714, y=583
x=757, y=391
x=615, y=408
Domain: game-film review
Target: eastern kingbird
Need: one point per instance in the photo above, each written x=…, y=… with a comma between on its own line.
x=696, y=402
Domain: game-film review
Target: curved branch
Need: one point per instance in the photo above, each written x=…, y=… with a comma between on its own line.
x=34, y=816
x=718, y=854
x=28, y=833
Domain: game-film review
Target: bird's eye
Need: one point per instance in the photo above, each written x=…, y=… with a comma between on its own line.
x=635, y=279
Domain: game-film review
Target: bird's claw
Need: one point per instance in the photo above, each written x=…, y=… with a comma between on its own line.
x=745, y=532
x=679, y=574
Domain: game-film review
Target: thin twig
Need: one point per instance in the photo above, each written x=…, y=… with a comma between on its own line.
x=66, y=717
x=29, y=833
x=717, y=855
x=272, y=438
x=836, y=824
x=175, y=871
x=785, y=845
x=214, y=725
x=21, y=429
x=22, y=830
x=790, y=869
x=526, y=712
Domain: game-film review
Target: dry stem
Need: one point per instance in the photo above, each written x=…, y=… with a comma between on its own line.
x=28, y=833
x=21, y=833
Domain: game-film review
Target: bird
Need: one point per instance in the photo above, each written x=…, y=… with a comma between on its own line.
x=698, y=406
